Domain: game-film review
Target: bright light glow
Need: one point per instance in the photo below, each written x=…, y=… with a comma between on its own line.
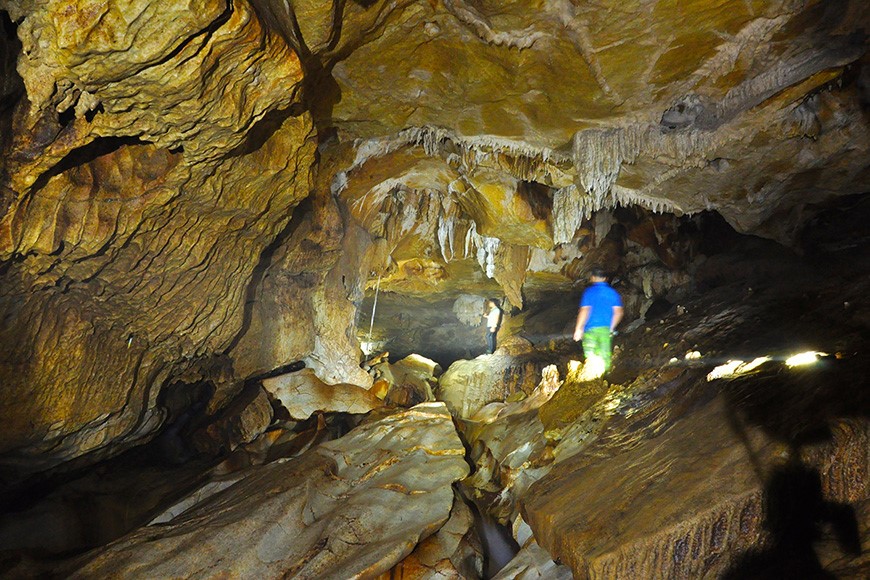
x=693, y=355
x=573, y=366
x=804, y=358
x=724, y=371
x=736, y=368
x=753, y=365
x=593, y=369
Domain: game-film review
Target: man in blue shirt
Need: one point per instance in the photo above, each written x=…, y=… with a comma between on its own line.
x=600, y=312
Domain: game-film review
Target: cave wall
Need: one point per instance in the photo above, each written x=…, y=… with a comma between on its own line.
x=155, y=156
x=136, y=217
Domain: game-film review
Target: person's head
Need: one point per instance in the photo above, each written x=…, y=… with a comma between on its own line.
x=597, y=274
x=491, y=303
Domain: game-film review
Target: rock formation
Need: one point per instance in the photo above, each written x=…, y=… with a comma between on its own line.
x=364, y=509
x=213, y=212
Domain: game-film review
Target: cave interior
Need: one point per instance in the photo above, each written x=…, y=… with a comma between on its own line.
x=246, y=250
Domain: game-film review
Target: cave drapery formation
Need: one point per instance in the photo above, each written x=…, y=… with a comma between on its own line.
x=205, y=196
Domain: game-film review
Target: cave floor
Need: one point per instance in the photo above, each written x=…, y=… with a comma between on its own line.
x=764, y=306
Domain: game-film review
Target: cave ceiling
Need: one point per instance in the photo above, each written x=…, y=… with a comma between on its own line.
x=204, y=190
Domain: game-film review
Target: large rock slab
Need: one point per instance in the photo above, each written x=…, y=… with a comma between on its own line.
x=351, y=508
x=453, y=552
x=407, y=382
x=681, y=493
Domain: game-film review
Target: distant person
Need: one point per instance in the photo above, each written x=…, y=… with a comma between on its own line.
x=600, y=312
x=493, y=321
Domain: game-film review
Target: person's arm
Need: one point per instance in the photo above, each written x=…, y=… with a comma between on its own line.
x=617, y=316
x=582, y=317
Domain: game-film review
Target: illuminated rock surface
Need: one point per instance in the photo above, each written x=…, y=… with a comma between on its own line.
x=198, y=196
x=302, y=394
x=366, y=504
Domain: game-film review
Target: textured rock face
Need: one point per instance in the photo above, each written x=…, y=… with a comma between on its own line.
x=683, y=95
x=452, y=552
x=468, y=385
x=721, y=511
x=303, y=394
x=154, y=154
x=143, y=176
x=370, y=497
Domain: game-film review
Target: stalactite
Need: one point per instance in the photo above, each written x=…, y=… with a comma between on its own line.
x=518, y=158
x=600, y=153
x=484, y=248
x=446, y=231
x=569, y=210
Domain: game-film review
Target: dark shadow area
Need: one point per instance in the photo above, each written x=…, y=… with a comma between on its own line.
x=11, y=85
x=497, y=543
x=11, y=91
x=185, y=405
x=798, y=408
x=795, y=514
x=85, y=154
x=538, y=196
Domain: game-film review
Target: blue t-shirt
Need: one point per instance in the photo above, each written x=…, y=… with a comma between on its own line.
x=601, y=298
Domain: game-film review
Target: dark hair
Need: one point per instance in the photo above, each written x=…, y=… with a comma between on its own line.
x=598, y=272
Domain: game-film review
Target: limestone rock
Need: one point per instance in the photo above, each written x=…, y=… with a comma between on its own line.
x=303, y=394
x=241, y=422
x=302, y=307
x=468, y=385
x=720, y=511
x=142, y=169
x=351, y=507
x=452, y=552
x=408, y=381
x=618, y=102
x=531, y=563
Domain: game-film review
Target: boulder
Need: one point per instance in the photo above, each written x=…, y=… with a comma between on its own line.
x=468, y=385
x=407, y=382
x=453, y=552
x=243, y=421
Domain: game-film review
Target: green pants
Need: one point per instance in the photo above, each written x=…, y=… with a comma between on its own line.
x=596, y=341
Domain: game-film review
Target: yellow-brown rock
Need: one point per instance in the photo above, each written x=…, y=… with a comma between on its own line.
x=630, y=523
x=468, y=385
x=153, y=154
x=122, y=212
x=452, y=552
x=303, y=394
x=353, y=507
